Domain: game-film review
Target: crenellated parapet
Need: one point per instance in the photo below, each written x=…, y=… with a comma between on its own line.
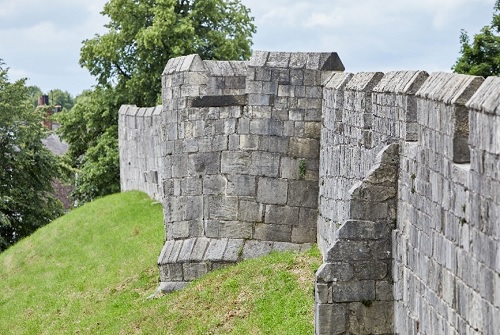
x=394, y=175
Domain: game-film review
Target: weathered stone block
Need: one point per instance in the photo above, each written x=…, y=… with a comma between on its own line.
x=282, y=215
x=241, y=185
x=234, y=250
x=303, y=193
x=214, y=184
x=377, y=318
x=222, y=207
x=236, y=162
x=236, y=229
x=304, y=235
x=216, y=249
x=254, y=248
x=273, y=232
x=353, y=291
x=194, y=270
x=272, y=191
x=304, y=148
x=333, y=272
x=250, y=211
x=265, y=164
x=330, y=319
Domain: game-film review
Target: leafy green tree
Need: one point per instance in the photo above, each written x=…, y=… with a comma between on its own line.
x=91, y=128
x=128, y=62
x=481, y=57
x=62, y=98
x=34, y=92
x=144, y=34
x=26, y=166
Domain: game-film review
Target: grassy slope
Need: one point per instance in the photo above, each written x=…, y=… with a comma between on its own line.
x=91, y=271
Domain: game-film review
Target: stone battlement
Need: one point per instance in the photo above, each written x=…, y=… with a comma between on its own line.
x=394, y=175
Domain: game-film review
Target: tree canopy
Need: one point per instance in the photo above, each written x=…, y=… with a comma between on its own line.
x=481, y=56
x=128, y=61
x=26, y=166
x=144, y=34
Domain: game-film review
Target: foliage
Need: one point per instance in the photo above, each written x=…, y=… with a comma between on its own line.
x=128, y=61
x=26, y=166
x=62, y=98
x=481, y=57
x=91, y=129
x=144, y=34
x=34, y=92
x=95, y=267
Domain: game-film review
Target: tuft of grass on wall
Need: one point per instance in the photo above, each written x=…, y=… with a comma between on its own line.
x=92, y=270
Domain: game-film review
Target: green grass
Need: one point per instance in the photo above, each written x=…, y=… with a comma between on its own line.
x=91, y=271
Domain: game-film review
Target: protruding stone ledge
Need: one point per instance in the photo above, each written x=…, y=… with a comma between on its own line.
x=182, y=261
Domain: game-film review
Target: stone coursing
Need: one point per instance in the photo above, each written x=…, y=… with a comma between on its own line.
x=394, y=175
x=237, y=161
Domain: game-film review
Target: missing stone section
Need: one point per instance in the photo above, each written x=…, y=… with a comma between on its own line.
x=218, y=101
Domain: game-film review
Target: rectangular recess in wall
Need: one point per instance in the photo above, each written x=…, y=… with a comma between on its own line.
x=218, y=101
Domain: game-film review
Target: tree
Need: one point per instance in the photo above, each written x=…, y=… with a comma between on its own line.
x=128, y=61
x=26, y=166
x=62, y=98
x=91, y=128
x=144, y=34
x=482, y=56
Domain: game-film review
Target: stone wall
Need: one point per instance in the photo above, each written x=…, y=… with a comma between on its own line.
x=395, y=176
x=237, y=164
x=412, y=247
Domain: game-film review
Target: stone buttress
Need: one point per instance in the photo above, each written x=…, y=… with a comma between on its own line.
x=240, y=170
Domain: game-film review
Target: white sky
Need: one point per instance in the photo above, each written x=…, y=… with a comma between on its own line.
x=41, y=40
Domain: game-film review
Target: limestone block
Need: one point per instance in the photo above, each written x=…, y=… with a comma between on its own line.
x=374, y=319
x=264, y=164
x=308, y=217
x=250, y=211
x=215, y=250
x=304, y=234
x=222, y=207
x=289, y=246
x=266, y=127
x=235, y=162
x=240, y=185
x=249, y=142
x=234, y=250
x=330, y=319
x=259, y=58
x=273, y=232
x=255, y=248
x=214, y=184
x=304, y=147
x=200, y=248
x=335, y=271
x=169, y=287
x=303, y=193
x=191, y=186
x=353, y=291
x=282, y=215
x=194, y=270
x=272, y=191
x=212, y=228
x=186, y=250
x=372, y=269
x=323, y=293
x=356, y=229
x=236, y=229
x=175, y=272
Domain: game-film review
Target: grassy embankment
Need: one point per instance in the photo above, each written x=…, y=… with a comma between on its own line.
x=91, y=271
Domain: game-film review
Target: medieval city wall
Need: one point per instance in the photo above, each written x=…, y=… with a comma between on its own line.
x=395, y=176
x=408, y=205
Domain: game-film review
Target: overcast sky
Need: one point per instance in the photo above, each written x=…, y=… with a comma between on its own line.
x=41, y=40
